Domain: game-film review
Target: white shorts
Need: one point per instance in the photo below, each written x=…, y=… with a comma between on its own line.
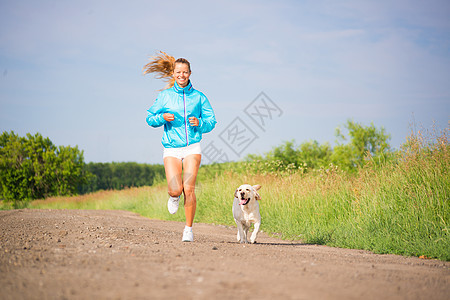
x=182, y=152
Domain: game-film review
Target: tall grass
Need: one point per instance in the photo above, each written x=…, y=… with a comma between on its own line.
x=400, y=207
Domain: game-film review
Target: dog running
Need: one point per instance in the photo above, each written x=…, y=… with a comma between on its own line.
x=246, y=211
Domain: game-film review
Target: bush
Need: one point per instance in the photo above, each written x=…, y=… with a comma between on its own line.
x=351, y=153
x=32, y=167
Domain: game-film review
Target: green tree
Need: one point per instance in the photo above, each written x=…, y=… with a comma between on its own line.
x=309, y=154
x=350, y=153
x=364, y=142
x=285, y=153
x=32, y=167
x=314, y=155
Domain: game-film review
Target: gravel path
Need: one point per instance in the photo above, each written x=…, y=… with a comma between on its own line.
x=84, y=254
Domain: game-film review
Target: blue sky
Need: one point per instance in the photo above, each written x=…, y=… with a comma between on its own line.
x=72, y=70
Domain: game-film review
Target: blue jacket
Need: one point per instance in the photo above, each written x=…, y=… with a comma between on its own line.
x=183, y=103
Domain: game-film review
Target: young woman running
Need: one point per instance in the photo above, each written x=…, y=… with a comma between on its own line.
x=185, y=114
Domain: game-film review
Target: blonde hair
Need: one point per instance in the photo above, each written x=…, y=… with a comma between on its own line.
x=163, y=65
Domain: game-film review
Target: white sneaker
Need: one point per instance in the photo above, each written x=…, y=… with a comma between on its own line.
x=188, y=236
x=173, y=204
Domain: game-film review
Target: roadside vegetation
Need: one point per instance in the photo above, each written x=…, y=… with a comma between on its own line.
x=32, y=167
x=376, y=199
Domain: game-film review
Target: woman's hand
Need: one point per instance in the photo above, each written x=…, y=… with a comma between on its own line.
x=168, y=117
x=193, y=121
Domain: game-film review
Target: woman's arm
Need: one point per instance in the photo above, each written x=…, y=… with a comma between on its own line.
x=207, y=122
x=155, y=115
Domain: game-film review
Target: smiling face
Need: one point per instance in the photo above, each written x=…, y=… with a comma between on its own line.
x=181, y=74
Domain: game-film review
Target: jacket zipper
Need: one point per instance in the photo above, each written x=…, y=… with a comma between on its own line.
x=185, y=120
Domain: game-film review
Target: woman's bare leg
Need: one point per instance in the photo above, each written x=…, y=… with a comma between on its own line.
x=173, y=167
x=191, y=164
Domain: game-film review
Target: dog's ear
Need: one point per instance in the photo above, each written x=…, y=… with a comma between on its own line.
x=236, y=194
x=256, y=187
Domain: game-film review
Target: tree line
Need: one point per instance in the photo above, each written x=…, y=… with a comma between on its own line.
x=120, y=175
x=32, y=167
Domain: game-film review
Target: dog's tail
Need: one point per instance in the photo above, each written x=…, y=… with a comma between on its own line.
x=163, y=65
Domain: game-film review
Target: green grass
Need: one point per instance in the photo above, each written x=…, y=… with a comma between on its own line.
x=401, y=207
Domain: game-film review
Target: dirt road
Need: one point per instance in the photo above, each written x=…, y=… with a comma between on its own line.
x=76, y=254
